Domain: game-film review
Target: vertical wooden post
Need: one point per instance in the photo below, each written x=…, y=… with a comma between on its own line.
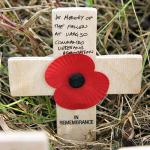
x=74, y=31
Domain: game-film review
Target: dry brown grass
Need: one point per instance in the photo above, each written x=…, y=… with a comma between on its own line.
x=123, y=28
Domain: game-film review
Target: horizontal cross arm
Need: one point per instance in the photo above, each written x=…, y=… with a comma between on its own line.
x=26, y=74
x=124, y=72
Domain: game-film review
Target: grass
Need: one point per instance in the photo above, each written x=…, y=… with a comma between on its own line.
x=123, y=28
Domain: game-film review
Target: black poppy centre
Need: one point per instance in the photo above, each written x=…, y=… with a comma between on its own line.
x=76, y=80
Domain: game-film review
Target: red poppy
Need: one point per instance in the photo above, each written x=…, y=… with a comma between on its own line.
x=77, y=85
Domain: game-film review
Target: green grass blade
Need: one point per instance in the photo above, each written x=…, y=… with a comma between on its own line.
x=89, y=3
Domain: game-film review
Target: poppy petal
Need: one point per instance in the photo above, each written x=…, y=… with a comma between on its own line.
x=61, y=68
x=87, y=96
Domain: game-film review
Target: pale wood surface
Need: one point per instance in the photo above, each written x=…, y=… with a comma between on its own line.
x=136, y=148
x=124, y=72
x=26, y=74
x=86, y=20
x=79, y=131
x=23, y=141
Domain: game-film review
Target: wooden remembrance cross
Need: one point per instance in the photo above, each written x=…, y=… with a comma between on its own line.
x=74, y=30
